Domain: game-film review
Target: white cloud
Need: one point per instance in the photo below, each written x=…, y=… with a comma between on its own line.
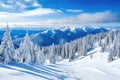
x=27, y=16
x=13, y=5
x=28, y=0
x=16, y=11
x=83, y=18
x=36, y=4
x=106, y=16
x=21, y=5
x=19, y=9
x=39, y=11
x=74, y=10
x=5, y=5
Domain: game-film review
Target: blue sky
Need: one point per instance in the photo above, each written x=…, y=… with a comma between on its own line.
x=59, y=11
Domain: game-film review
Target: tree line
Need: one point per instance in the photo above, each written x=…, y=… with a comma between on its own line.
x=29, y=53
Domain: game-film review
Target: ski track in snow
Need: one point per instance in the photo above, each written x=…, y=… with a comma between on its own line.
x=82, y=68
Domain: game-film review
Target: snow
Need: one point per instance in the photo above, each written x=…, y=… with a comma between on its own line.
x=30, y=72
x=92, y=67
x=95, y=68
x=35, y=35
x=84, y=29
x=46, y=31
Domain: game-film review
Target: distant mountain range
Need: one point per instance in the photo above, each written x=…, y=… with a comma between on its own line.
x=47, y=36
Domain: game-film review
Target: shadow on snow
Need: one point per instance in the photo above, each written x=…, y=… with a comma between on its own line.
x=43, y=71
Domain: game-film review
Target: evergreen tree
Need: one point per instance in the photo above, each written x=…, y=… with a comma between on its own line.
x=7, y=53
x=40, y=57
x=27, y=50
x=52, y=55
x=111, y=55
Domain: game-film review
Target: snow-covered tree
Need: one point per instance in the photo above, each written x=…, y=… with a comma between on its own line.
x=7, y=53
x=71, y=52
x=111, y=55
x=58, y=52
x=39, y=56
x=26, y=49
x=52, y=54
x=66, y=50
x=84, y=46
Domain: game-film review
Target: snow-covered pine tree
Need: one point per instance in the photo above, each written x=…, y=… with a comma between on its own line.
x=26, y=49
x=84, y=46
x=111, y=55
x=119, y=51
x=71, y=52
x=52, y=55
x=117, y=40
x=40, y=57
x=79, y=45
x=111, y=44
x=7, y=53
x=66, y=45
x=103, y=45
x=62, y=52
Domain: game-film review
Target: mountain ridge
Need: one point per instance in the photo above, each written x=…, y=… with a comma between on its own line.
x=48, y=36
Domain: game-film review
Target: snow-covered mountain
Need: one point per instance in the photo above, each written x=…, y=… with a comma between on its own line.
x=47, y=36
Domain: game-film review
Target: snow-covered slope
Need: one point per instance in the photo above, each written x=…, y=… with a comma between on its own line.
x=92, y=67
x=31, y=72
